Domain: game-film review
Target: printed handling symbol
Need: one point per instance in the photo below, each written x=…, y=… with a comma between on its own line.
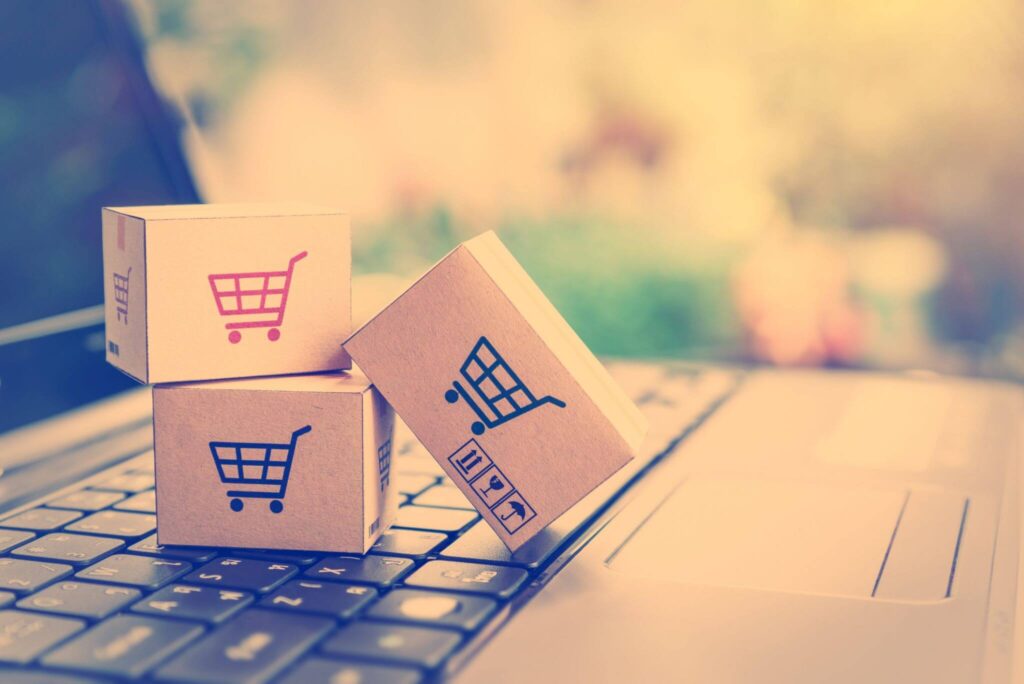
x=495, y=484
x=384, y=464
x=514, y=512
x=517, y=509
x=262, y=299
x=266, y=474
x=469, y=461
x=497, y=387
x=121, y=283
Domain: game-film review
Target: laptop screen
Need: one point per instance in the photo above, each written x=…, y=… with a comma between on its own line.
x=80, y=128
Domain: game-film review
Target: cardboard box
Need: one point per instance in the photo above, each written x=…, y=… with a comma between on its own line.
x=315, y=470
x=171, y=279
x=500, y=390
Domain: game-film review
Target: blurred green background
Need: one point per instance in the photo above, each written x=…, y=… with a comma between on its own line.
x=790, y=182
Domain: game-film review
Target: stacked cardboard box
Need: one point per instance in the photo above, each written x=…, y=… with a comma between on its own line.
x=200, y=296
x=483, y=369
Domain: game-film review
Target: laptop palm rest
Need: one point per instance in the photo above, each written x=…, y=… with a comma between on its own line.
x=897, y=545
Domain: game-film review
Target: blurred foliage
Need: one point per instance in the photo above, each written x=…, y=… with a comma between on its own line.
x=642, y=158
x=618, y=293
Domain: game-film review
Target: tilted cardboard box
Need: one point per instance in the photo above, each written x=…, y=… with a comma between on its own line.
x=499, y=389
x=203, y=292
x=297, y=462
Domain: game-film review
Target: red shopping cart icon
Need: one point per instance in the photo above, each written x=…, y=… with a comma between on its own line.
x=258, y=298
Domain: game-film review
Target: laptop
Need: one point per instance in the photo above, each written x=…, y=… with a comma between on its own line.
x=777, y=526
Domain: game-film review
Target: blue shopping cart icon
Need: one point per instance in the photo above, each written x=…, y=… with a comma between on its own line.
x=261, y=468
x=498, y=395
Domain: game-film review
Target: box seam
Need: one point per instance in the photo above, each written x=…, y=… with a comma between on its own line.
x=145, y=280
x=218, y=218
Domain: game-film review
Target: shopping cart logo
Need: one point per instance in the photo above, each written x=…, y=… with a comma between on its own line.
x=384, y=464
x=121, y=283
x=260, y=469
x=496, y=394
x=258, y=299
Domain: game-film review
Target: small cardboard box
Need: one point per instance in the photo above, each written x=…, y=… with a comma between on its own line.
x=298, y=462
x=499, y=389
x=204, y=292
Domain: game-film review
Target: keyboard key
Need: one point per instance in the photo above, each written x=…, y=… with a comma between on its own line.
x=379, y=571
x=206, y=604
x=293, y=557
x=133, y=482
x=86, y=500
x=23, y=636
x=412, y=483
x=136, y=571
x=77, y=549
x=116, y=524
x=413, y=543
x=147, y=464
x=23, y=576
x=243, y=573
x=444, y=496
x=41, y=519
x=80, y=599
x=11, y=538
x=321, y=598
x=149, y=547
x=124, y=646
x=493, y=580
x=143, y=502
x=349, y=672
x=434, y=519
x=35, y=676
x=417, y=646
x=253, y=647
x=434, y=608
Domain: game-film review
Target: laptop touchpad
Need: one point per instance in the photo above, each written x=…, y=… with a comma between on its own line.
x=801, y=537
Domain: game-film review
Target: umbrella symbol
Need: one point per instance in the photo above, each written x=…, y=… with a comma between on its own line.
x=517, y=509
x=495, y=483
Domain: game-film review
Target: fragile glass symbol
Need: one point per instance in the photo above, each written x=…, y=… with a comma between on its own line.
x=495, y=484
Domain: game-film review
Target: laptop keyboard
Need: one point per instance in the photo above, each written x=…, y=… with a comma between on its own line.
x=87, y=594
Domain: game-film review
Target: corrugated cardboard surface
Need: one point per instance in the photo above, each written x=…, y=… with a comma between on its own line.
x=378, y=465
x=186, y=334
x=563, y=341
x=124, y=263
x=325, y=502
x=413, y=351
